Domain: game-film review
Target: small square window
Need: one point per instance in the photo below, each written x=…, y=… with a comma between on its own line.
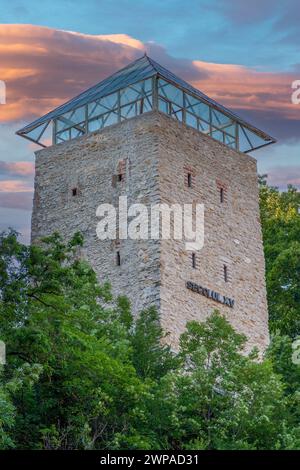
x=74, y=192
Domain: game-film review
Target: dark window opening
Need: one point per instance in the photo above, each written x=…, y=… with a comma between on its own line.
x=189, y=180
x=225, y=273
x=120, y=177
x=194, y=260
x=118, y=259
x=222, y=194
x=74, y=192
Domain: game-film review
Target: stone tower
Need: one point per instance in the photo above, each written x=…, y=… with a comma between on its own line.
x=146, y=134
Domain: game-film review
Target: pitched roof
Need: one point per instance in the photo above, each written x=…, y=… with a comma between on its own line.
x=140, y=69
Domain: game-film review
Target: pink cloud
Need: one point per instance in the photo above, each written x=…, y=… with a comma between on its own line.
x=15, y=186
x=17, y=168
x=245, y=88
x=283, y=176
x=44, y=67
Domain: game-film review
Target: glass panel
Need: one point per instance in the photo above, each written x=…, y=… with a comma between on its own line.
x=218, y=135
x=170, y=92
x=230, y=141
x=95, y=124
x=249, y=140
x=35, y=133
x=147, y=104
x=197, y=107
x=129, y=111
x=78, y=115
x=230, y=130
x=110, y=118
x=67, y=120
x=232, y=145
x=219, y=119
x=203, y=126
x=137, y=99
x=144, y=87
x=76, y=132
x=191, y=120
x=101, y=106
x=176, y=112
x=163, y=106
x=136, y=91
x=60, y=125
x=96, y=109
x=128, y=95
x=63, y=136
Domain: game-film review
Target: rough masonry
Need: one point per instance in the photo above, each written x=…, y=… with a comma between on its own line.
x=153, y=158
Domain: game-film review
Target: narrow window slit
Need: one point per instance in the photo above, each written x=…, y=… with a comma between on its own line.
x=222, y=195
x=225, y=268
x=118, y=259
x=194, y=260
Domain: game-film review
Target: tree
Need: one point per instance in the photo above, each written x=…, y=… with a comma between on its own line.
x=281, y=234
x=152, y=357
x=51, y=314
x=23, y=378
x=223, y=399
x=82, y=373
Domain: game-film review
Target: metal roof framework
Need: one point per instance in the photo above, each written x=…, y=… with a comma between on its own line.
x=142, y=86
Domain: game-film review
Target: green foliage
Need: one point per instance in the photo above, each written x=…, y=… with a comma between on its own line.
x=24, y=377
x=281, y=233
x=280, y=216
x=151, y=357
x=82, y=373
x=281, y=354
x=221, y=399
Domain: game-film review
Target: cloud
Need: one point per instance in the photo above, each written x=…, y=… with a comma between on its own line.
x=241, y=12
x=17, y=168
x=17, y=219
x=16, y=177
x=16, y=200
x=281, y=19
x=16, y=186
x=244, y=88
x=282, y=176
x=44, y=67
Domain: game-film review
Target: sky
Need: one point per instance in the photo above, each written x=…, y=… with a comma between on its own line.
x=243, y=54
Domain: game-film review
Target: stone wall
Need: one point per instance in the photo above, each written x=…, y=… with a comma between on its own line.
x=92, y=164
x=154, y=153
x=232, y=234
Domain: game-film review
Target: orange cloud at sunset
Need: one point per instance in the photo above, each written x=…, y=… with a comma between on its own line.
x=14, y=186
x=44, y=67
x=240, y=87
x=16, y=168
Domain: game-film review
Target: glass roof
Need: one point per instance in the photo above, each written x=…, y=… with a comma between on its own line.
x=141, y=86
